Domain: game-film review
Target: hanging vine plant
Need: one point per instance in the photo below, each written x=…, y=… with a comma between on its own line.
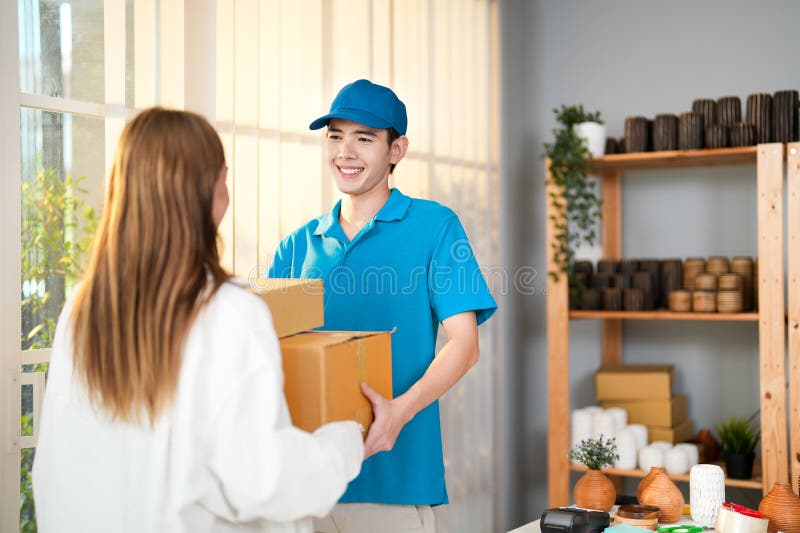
x=576, y=194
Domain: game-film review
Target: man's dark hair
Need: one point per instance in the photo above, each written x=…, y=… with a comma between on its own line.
x=391, y=136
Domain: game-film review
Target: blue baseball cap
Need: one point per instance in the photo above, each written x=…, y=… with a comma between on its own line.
x=369, y=104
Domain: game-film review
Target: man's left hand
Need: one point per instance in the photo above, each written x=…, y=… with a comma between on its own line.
x=389, y=418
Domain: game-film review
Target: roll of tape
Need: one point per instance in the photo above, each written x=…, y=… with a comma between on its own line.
x=741, y=523
x=737, y=519
x=723, y=519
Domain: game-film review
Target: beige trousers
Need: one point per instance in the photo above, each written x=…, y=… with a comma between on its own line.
x=375, y=517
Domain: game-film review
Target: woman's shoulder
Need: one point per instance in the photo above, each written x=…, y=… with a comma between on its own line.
x=235, y=303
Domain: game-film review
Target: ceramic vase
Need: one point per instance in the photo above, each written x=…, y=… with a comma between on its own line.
x=664, y=494
x=706, y=493
x=646, y=480
x=782, y=508
x=594, y=491
x=710, y=445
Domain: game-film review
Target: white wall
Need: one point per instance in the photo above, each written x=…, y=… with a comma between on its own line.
x=629, y=58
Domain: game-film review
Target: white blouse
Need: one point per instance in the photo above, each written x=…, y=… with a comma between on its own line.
x=223, y=458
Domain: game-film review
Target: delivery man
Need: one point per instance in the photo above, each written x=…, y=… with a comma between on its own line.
x=391, y=262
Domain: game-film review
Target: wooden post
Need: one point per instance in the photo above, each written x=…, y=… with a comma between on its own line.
x=793, y=250
x=612, y=249
x=558, y=415
x=771, y=331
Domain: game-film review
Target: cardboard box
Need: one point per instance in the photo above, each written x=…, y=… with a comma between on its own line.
x=634, y=382
x=664, y=413
x=680, y=433
x=323, y=374
x=295, y=304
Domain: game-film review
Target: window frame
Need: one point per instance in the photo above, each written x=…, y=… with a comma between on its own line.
x=146, y=28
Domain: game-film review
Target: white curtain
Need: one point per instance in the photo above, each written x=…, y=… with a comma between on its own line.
x=279, y=64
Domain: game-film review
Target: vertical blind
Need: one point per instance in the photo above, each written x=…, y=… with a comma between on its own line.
x=279, y=64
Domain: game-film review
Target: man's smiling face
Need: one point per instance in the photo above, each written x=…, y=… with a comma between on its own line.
x=359, y=157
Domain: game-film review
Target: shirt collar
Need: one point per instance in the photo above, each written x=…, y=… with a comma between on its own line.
x=328, y=220
x=395, y=208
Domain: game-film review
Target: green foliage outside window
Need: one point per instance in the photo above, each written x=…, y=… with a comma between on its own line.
x=57, y=228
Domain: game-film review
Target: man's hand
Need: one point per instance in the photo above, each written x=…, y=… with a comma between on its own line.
x=390, y=417
x=458, y=355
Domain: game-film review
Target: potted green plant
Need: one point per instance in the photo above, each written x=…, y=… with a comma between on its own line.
x=594, y=490
x=574, y=195
x=739, y=439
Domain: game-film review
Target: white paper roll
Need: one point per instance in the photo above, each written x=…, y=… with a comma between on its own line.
x=641, y=434
x=676, y=461
x=620, y=417
x=650, y=457
x=581, y=426
x=602, y=424
x=661, y=445
x=691, y=452
x=627, y=449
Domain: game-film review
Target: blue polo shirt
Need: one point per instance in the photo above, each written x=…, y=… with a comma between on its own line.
x=407, y=270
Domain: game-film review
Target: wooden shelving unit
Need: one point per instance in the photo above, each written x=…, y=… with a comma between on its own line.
x=754, y=483
x=768, y=160
x=664, y=315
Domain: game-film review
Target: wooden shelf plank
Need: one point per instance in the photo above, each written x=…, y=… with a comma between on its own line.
x=754, y=483
x=664, y=315
x=677, y=158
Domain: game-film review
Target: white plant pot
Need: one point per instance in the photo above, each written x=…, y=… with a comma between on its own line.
x=595, y=136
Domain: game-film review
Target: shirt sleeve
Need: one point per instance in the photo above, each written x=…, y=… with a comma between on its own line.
x=269, y=469
x=455, y=282
x=281, y=266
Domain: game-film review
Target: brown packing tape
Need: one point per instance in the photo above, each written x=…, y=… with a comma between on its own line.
x=361, y=360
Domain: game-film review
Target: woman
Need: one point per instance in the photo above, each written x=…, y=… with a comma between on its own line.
x=164, y=408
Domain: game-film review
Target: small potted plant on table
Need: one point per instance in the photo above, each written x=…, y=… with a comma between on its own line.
x=594, y=490
x=739, y=439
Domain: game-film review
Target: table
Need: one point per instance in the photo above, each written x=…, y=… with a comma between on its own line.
x=533, y=527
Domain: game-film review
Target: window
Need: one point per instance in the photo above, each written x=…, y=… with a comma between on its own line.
x=73, y=90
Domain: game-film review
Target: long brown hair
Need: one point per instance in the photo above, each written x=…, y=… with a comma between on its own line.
x=154, y=254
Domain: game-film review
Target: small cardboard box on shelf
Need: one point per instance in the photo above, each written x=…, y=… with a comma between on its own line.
x=634, y=382
x=664, y=413
x=679, y=433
